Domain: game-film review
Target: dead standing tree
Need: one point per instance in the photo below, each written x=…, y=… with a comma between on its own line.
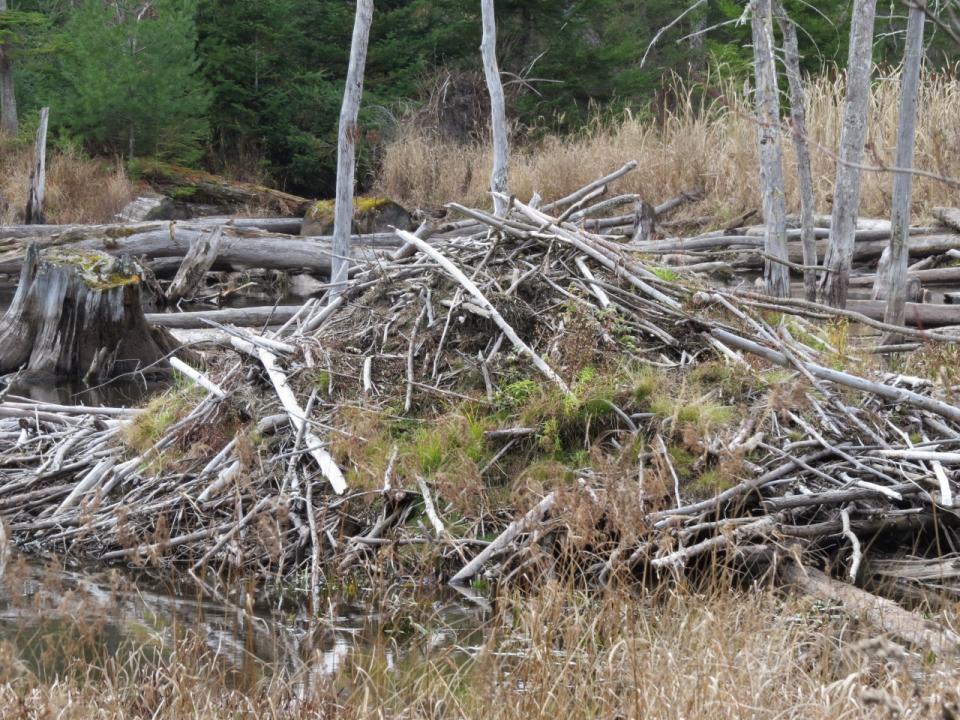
x=498, y=109
x=776, y=274
x=38, y=175
x=798, y=117
x=903, y=179
x=349, y=134
x=846, y=193
x=8, y=96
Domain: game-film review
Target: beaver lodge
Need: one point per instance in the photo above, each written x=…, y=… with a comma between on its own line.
x=501, y=400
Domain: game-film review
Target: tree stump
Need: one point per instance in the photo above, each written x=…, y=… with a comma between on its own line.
x=77, y=315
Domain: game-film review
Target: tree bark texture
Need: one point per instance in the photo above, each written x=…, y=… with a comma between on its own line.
x=8, y=95
x=38, y=175
x=239, y=249
x=903, y=181
x=798, y=117
x=196, y=263
x=347, y=137
x=776, y=275
x=846, y=191
x=498, y=109
x=78, y=316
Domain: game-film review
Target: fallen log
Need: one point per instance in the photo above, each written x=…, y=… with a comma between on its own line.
x=279, y=225
x=239, y=249
x=202, y=187
x=919, y=246
x=933, y=276
x=78, y=316
x=921, y=315
x=880, y=612
x=948, y=216
x=243, y=317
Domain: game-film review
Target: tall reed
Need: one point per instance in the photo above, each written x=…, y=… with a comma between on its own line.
x=708, y=141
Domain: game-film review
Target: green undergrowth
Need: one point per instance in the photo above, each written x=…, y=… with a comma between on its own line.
x=153, y=421
x=613, y=420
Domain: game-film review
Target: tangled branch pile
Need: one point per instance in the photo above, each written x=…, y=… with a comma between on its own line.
x=512, y=397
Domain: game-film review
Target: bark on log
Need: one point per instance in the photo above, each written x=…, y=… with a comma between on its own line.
x=776, y=275
x=279, y=226
x=242, y=317
x=918, y=245
x=78, y=316
x=38, y=175
x=347, y=136
x=846, y=194
x=884, y=614
x=239, y=249
x=920, y=315
x=948, y=216
x=202, y=187
x=934, y=276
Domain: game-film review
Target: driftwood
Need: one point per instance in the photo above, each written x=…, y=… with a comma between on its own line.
x=78, y=316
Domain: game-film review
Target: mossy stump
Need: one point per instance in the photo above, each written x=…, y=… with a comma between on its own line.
x=77, y=316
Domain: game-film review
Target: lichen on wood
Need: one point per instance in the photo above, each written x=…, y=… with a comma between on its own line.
x=76, y=315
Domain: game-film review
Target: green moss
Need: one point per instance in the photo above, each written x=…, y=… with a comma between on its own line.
x=516, y=394
x=714, y=481
x=98, y=271
x=323, y=210
x=160, y=413
x=666, y=274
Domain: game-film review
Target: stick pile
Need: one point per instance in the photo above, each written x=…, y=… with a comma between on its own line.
x=512, y=394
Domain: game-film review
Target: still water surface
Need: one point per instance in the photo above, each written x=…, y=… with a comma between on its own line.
x=51, y=617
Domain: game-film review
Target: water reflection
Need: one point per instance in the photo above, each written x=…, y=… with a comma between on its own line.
x=54, y=618
x=121, y=392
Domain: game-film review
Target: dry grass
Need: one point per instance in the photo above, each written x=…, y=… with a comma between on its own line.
x=558, y=654
x=705, y=144
x=79, y=189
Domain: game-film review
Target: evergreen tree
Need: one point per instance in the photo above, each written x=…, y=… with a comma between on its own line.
x=130, y=86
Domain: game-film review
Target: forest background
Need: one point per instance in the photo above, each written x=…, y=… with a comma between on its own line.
x=252, y=89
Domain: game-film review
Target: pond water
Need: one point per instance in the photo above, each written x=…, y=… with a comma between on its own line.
x=55, y=619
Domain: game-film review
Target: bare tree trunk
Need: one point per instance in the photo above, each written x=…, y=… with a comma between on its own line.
x=349, y=134
x=498, y=109
x=8, y=96
x=776, y=275
x=38, y=176
x=903, y=181
x=798, y=115
x=846, y=192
